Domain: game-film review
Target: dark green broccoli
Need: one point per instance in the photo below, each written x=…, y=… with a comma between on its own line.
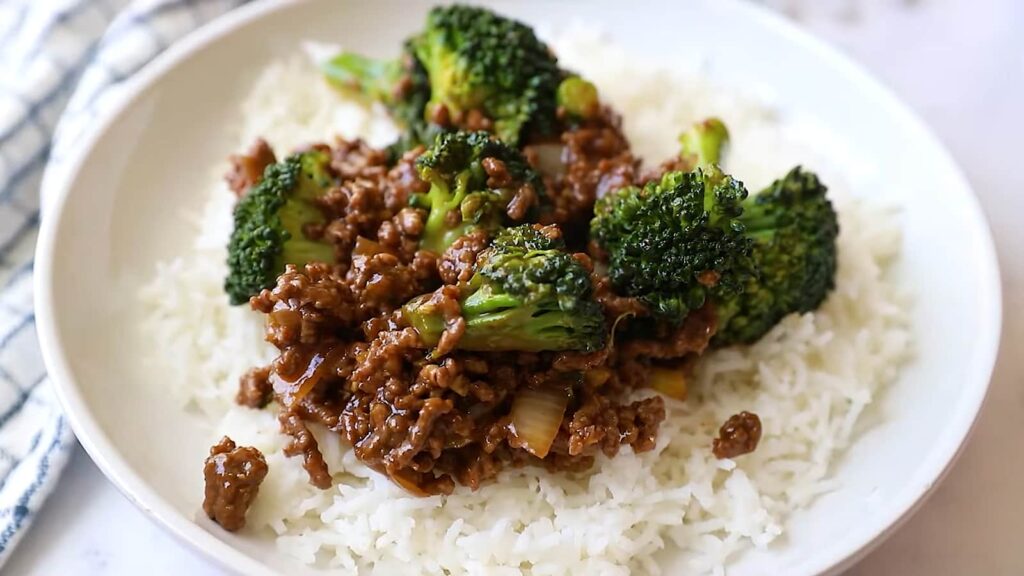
x=400, y=84
x=702, y=144
x=460, y=198
x=676, y=241
x=269, y=222
x=476, y=59
x=468, y=58
x=527, y=294
x=794, y=229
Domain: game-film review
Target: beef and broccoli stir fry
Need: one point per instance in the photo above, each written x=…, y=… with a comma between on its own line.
x=490, y=290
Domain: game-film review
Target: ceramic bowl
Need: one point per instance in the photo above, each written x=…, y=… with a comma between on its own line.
x=110, y=219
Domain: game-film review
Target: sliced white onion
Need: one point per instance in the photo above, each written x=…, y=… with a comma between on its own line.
x=319, y=365
x=537, y=415
x=549, y=159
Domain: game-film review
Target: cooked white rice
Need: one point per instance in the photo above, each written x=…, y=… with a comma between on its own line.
x=809, y=379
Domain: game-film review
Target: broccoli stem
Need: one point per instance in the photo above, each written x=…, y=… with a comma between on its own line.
x=702, y=144
x=578, y=98
x=375, y=78
x=438, y=233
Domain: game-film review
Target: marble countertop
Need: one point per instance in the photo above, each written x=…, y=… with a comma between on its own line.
x=960, y=64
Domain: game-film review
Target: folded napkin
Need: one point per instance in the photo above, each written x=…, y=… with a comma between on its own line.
x=62, y=63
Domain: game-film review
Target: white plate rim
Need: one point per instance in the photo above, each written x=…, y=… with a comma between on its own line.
x=112, y=464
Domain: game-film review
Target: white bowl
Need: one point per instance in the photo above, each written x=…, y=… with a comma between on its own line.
x=111, y=217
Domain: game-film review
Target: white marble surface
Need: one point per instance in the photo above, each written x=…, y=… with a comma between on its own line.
x=960, y=64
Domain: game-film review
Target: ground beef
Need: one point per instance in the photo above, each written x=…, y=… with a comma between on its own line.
x=439, y=114
x=600, y=423
x=424, y=269
x=497, y=173
x=575, y=361
x=247, y=169
x=306, y=306
x=459, y=260
x=304, y=443
x=254, y=388
x=475, y=119
x=355, y=159
x=615, y=306
x=738, y=436
x=400, y=235
x=597, y=159
x=472, y=120
x=691, y=337
x=379, y=280
x=430, y=424
x=432, y=418
x=403, y=181
x=357, y=210
x=446, y=300
x=371, y=201
x=233, y=475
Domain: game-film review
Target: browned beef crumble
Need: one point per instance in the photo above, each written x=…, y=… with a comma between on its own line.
x=459, y=260
x=472, y=120
x=350, y=365
x=614, y=305
x=738, y=436
x=692, y=336
x=233, y=475
x=597, y=159
x=255, y=389
x=247, y=168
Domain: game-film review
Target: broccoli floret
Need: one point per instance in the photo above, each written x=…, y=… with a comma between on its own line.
x=460, y=199
x=527, y=294
x=269, y=222
x=702, y=144
x=476, y=59
x=469, y=58
x=401, y=84
x=676, y=241
x=794, y=228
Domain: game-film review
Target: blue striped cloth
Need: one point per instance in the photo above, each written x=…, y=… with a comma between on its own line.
x=62, y=63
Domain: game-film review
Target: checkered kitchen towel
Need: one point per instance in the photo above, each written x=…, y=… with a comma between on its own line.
x=61, y=65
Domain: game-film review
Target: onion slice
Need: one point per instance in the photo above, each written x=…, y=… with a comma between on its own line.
x=403, y=479
x=669, y=381
x=549, y=158
x=537, y=415
x=319, y=364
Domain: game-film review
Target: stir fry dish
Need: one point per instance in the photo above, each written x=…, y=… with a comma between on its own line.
x=500, y=285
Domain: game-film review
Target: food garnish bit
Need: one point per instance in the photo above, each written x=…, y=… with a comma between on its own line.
x=233, y=475
x=476, y=183
x=527, y=294
x=470, y=68
x=738, y=436
x=270, y=224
